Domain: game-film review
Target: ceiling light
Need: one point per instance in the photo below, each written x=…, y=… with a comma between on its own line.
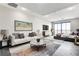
x=23, y=8
x=70, y=8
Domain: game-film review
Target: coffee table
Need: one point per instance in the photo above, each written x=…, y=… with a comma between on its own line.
x=37, y=45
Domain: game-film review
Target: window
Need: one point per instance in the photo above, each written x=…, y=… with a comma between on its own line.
x=62, y=28
x=57, y=28
x=65, y=27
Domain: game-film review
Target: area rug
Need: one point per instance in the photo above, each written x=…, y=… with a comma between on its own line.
x=48, y=51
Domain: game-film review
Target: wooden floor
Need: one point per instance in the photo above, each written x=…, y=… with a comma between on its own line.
x=4, y=52
x=66, y=49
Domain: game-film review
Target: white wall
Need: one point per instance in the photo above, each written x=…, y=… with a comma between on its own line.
x=74, y=25
x=8, y=15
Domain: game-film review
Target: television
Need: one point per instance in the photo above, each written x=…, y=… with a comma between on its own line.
x=45, y=27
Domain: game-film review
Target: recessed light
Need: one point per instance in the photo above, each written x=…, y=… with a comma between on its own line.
x=70, y=8
x=23, y=8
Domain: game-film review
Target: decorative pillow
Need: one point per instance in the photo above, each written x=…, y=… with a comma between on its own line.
x=21, y=36
x=58, y=35
x=32, y=34
x=65, y=35
x=77, y=34
x=72, y=33
x=18, y=35
x=15, y=35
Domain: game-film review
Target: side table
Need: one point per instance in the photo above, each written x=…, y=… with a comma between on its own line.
x=7, y=41
x=77, y=40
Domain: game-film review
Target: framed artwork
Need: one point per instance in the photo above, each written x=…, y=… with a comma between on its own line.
x=22, y=26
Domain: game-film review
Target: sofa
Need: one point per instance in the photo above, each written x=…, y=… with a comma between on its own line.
x=19, y=41
x=65, y=37
x=19, y=38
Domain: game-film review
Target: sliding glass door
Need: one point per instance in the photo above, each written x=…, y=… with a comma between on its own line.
x=66, y=28
x=57, y=28
x=62, y=28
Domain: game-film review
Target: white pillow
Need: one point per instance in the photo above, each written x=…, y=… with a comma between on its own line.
x=65, y=35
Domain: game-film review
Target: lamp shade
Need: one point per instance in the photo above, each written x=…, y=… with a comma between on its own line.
x=3, y=32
